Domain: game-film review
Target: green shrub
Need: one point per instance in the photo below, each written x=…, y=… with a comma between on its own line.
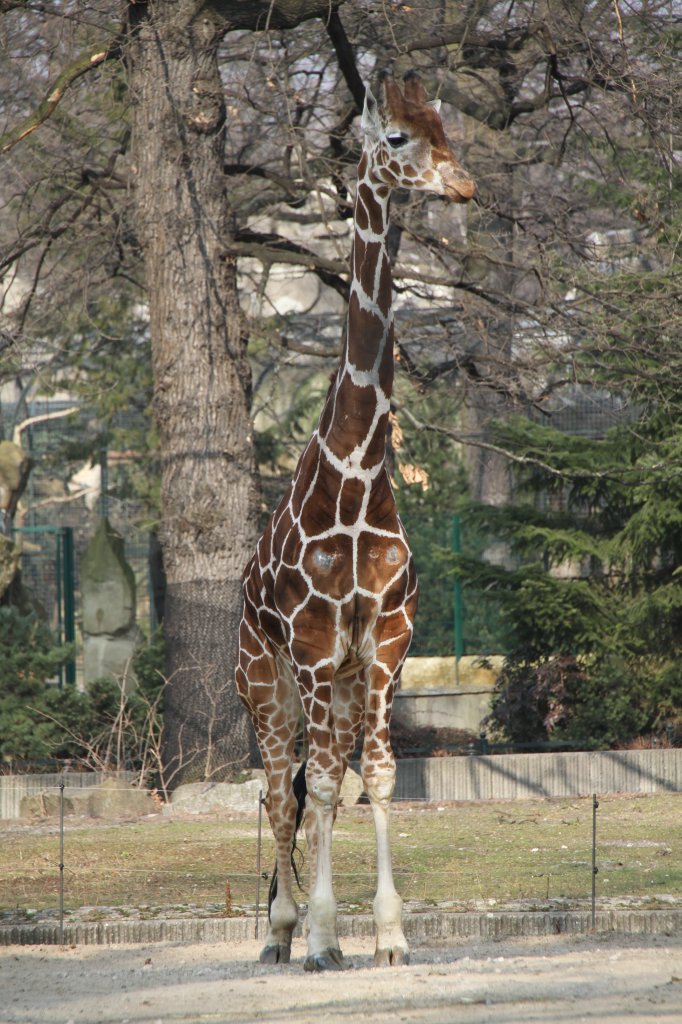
x=101, y=727
x=564, y=699
x=29, y=657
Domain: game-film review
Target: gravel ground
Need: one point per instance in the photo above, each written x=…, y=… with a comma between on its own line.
x=598, y=978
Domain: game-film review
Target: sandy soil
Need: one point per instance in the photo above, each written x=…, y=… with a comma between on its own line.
x=610, y=979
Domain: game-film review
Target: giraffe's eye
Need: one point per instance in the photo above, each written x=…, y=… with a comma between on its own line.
x=396, y=139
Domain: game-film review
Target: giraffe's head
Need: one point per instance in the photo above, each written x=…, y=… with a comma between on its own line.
x=406, y=144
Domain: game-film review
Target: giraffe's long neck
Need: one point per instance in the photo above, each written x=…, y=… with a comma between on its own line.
x=354, y=419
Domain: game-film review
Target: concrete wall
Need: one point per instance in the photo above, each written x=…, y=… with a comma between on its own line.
x=443, y=709
x=494, y=777
x=469, y=673
x=435, y=927
x=522, y=776
x=447, y=695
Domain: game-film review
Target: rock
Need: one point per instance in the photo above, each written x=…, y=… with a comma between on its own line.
x=111, y=656
x=110, y=635
x=212, y=797
x=112, y=799
x=15, y=466
x=107, y=585
x=475, y=673
x=259, y=773
x=352, y=788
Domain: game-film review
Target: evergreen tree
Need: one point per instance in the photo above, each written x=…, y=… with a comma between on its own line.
x=594, y=606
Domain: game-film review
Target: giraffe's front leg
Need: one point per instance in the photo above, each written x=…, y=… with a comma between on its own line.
x=324, y=952
x=378, y=775
x=391, y=945
x=323, y=780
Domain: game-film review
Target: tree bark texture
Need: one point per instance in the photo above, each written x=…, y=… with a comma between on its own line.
x=489, y=471
x=201, y=380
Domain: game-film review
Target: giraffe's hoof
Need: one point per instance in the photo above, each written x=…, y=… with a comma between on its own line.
x=391, y=957
x=327, y=960
x=275, y=954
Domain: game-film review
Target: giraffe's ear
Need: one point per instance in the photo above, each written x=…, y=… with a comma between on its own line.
x=435, y=105
x=370, y=123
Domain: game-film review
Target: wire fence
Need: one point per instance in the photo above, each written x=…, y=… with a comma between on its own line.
x=452, y=620
x=566, y=854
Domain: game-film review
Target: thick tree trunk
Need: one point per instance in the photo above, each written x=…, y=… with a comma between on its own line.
x=201, y=381
x=490, y=394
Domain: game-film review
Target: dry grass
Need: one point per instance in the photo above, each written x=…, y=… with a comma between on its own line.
x=532, y=851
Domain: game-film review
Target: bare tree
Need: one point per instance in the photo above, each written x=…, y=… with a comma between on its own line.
x=191, y=155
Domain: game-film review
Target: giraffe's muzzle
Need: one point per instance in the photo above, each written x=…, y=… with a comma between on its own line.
x=458, y=186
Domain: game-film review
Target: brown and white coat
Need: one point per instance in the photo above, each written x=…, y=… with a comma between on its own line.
x=331, y=592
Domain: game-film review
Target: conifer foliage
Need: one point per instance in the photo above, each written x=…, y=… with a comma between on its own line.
x=593, y=602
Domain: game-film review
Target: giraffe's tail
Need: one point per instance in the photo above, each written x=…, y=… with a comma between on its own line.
x=300, y=792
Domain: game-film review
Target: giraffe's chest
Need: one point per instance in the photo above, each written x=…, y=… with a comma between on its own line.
x=340, y=564
x=331, y=566
x=365, y=562
x=334, y=595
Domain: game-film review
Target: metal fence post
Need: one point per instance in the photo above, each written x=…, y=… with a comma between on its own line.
x=61, y=604
x=58, y=537
x=260, y=832
x=457, y=598
x=595, y=869
x=61, y=860
x=104, y=483
x=69, y=598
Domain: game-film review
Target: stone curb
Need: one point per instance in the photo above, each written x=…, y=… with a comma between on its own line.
x=419, y=928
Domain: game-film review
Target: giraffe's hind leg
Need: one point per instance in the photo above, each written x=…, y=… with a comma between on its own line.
x=270, y=695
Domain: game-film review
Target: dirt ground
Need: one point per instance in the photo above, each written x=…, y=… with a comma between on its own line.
x=614, y=979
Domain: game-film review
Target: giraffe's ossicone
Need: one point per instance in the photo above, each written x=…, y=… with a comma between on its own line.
x=331, y=592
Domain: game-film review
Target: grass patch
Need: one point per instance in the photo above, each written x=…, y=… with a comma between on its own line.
x=530, y=852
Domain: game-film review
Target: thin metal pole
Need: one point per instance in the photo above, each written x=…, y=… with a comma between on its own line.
x=595, y=869
x=69, y=598
x=260, y=832
x=457, y=598
x=104, y=483
x=61, y=860
x=59, y=573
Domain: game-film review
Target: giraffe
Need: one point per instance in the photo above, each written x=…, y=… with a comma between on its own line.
x=331, y=592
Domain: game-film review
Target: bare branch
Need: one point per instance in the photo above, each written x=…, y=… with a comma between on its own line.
x=286, y=184
x=285, y=341
x=42, y=418
x=523, y=460
x=508, y=42
x=86, y=62
x=272, y=248
x=346, y=58
x=262, y=15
